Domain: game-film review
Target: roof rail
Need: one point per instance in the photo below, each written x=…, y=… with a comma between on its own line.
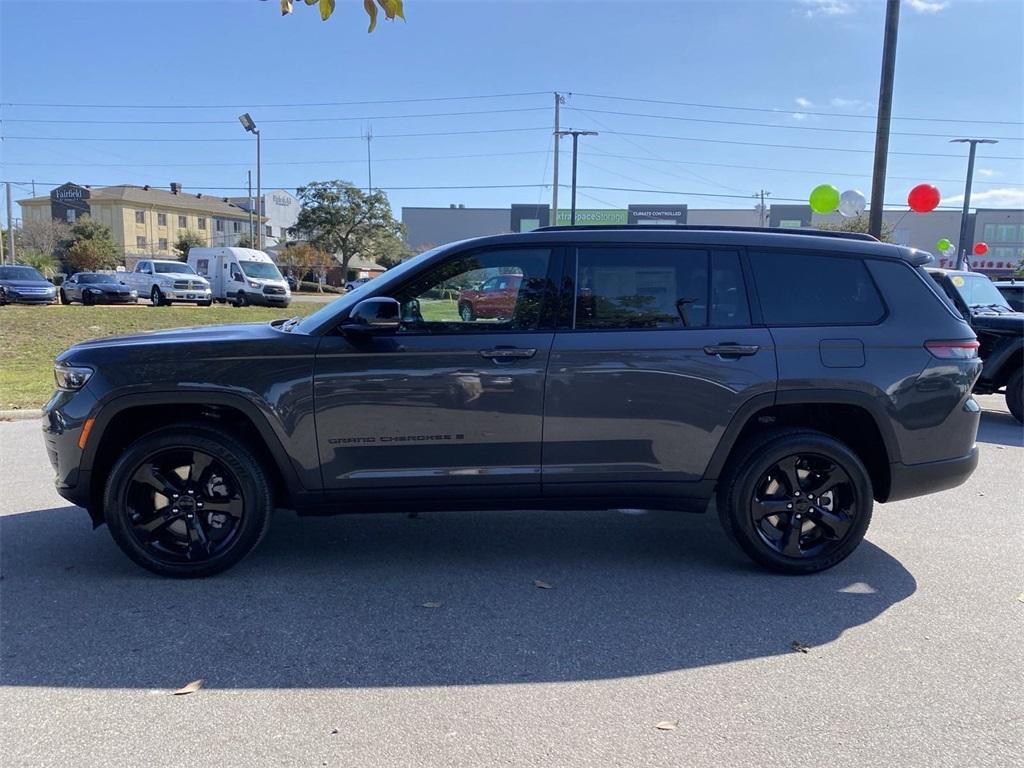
x=710, y=228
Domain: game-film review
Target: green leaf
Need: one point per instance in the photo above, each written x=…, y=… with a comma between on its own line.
x=392, y=8
x=312, y=2
x=286, y=7
x=371, y=11
x=326, y=9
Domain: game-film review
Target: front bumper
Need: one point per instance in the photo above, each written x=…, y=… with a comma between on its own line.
x=64, y=417
x=16, y=299
x=910, y=480
x=186, y=295
x=269, y=300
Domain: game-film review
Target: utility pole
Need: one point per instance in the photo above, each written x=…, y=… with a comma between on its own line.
x=12, y=254
x=369, y=162
x=892, y=23
x=762, y=209
x=33, y=187
x=252, y=233
x=962, y=244
x=575, y=150
x=554, y=182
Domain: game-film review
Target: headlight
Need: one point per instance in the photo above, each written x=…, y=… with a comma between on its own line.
x=254, y=284
x=71, y=378
x=134, y=294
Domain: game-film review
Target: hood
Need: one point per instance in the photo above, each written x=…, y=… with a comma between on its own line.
x=1009, y=323
x=176, y=337
x=26, y=283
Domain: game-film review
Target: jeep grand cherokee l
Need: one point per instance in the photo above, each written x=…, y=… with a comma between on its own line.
x=795, y=378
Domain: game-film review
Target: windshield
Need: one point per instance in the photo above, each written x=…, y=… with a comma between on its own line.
x=378, y=285
x=261, y=269
x=978, y=291
x=95, y=278
x=173, y=267
x=20, y=273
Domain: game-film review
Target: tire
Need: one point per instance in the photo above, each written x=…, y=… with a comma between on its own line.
x=64, y=298
x=1015, y=394
x=156, y=298
x=232, y=480
x=466, y=313
x=755, y=482
x=241, y=300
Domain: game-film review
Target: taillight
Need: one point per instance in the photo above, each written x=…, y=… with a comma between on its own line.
x=953, y=350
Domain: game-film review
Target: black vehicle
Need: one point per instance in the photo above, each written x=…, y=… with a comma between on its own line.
x=96, y=288
x=1013, y=292
x=794, y=378
x=1000, y=331
x=25, y=285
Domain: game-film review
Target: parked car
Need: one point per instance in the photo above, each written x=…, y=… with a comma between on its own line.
x=242, y=276
x=494, y=299
x=25, y=285
x=1000, y=331
x=359, y=282
x=797, y=378
x=166, y=282
x=1013, y=292
x=96, y=288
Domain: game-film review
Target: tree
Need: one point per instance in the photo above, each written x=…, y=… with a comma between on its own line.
x=246, y=241
x=92, y=247
x=305, y=258
x=186, y=240
x=391, y=8
x=44, y=262
x=45, y=236
x=858, y=224
x=342, y=220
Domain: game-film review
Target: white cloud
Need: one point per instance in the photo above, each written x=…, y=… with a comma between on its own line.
x=1002, y=197
x=841, y=103
x=928, y=6
x=814, y=8
x=987, y=172
x=798, y=116
x=802, y=102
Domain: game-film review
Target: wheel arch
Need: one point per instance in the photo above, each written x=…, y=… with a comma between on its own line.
x=849, y=416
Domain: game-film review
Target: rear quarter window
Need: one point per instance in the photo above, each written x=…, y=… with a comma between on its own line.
x=815, y=289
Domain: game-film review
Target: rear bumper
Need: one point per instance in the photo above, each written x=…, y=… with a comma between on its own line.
x=910, y=480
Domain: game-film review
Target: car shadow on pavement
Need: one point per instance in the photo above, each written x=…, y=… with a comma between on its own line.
x=439, y=599
x=1000, y=428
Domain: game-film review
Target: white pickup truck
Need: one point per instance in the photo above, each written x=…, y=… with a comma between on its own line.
x=165, y=281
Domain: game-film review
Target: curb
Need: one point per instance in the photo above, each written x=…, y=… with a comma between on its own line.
x=21, y=414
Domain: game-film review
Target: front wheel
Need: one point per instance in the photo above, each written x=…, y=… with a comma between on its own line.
x=156, y=298
x=64, y=298
x=187, y=501
x=466, y=313
x=796, y=501
x=241, y=300
x=1015, y=394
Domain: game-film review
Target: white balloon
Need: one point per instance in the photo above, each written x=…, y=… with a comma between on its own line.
x=851, y=203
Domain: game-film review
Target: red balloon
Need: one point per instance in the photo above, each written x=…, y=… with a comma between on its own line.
x=923, y=198
x=981, y=248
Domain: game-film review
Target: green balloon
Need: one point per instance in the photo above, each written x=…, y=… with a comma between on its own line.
x=943, y=245
x=824, y=198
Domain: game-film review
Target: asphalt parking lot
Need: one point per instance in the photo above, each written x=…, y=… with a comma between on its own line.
x=318, y=650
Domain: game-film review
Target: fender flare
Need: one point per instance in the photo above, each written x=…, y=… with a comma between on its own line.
x=994, y=365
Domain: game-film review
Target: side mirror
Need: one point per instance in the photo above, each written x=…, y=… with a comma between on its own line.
x=380, y=315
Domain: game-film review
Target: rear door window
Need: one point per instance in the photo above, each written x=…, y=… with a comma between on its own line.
x=815, y=289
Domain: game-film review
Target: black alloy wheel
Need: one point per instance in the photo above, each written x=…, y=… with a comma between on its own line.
x=188, y=501
x=796, y=501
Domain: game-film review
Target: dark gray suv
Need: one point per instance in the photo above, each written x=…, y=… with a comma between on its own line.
x=794, y=378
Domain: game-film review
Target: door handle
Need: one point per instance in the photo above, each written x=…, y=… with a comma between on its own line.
x=730, y=349
x=507, y=353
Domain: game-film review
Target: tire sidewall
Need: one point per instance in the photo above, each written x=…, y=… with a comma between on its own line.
x=252, y=482
x=1015, y=394
x=736, y=515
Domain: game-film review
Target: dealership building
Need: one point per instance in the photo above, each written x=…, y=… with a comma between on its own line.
x=1001, y=229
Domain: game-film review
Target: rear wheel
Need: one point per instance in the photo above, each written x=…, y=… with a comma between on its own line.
x=187, y=501
x=796, y=501
x=1015, y=394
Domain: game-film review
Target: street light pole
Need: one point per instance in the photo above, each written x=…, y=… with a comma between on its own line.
x=250, y=126
x=892, y=23
x=961, y=246
x=575, y=149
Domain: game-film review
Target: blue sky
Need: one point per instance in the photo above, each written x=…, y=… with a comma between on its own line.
x=809, y=64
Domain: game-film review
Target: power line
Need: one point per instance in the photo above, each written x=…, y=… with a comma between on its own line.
x=278, y=120
x=784, y=127
x=274, y=138
x=419, y=99
x=783, y=111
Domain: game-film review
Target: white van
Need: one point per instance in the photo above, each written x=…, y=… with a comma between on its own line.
x=241, y=275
